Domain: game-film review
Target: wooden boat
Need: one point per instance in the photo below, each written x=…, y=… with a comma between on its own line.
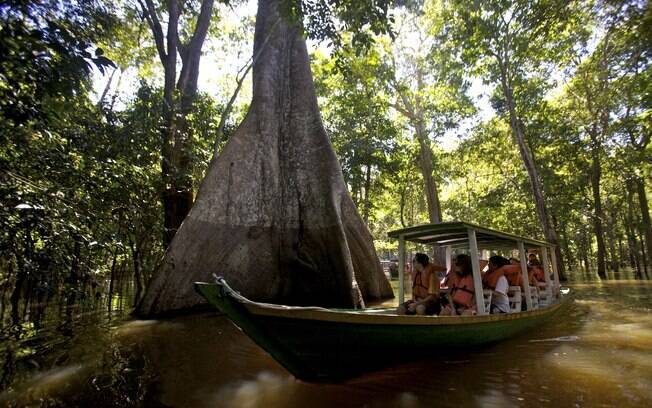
x=318, y=344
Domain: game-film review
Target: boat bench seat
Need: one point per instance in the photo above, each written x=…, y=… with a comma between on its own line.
x=545, y=294
x=534, y=295
x=514, y=295
x=487, y=293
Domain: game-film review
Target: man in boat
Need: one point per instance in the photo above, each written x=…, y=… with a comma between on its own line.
x=535, y=268
x=425, y=288
x=460, y=282
x=495, y=280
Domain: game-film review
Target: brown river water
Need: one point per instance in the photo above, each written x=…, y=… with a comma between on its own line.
x=598, y=354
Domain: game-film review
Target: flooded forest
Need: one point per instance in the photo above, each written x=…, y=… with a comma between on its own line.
x=145, y=144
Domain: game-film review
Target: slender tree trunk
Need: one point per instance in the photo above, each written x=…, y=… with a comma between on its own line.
x=630, y=230
x=273, y=214
x=570, y=259
x=16, y=294
x=585, y=253
x=402, y=206
x=135, y=255
x=367, y=187
x=430, y=186
x=73, y=277
x=612, y=241
x=516, y=126
x=646, y=226
x=644, y=257
x=100, y=102
x=598, y=215
x=413, y=112
x=112, y=279
x=178, y=96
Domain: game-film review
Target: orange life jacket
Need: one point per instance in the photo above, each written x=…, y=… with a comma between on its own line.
x=490, y=279
x=512, y=273
x=462, y=290
x=421, y=283
x=538, y=274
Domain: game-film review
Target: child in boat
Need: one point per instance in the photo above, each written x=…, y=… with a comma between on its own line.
x=460, y=282
x=495, y=280
x=425, y=288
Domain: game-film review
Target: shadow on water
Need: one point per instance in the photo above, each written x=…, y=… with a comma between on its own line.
x=598, y=354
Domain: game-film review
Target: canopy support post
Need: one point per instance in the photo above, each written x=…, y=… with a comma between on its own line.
x=555, y=273
x=477, y=279
x=546, y=266
x=449, y=254
x=525, y=277
x=401, y=269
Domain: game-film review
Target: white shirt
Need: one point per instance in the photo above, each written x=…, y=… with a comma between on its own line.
x=499, y=298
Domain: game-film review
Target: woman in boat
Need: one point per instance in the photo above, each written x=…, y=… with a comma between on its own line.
x=495, y=280
x=425, y=288
x=460, y=282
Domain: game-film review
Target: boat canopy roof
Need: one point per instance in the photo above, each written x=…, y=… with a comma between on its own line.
x=456, y=235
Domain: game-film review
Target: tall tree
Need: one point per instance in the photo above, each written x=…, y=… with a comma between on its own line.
x=179, y=94
x=515, y=45
x=273, y=214
x=430, y=89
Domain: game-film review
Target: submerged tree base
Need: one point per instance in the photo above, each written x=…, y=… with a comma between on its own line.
x=273, y=214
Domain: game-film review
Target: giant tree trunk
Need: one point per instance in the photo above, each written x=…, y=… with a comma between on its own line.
x=273, y=215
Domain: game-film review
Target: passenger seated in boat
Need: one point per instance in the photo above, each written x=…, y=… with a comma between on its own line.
x=512, y=272
x=460, y=282
x=425, y=288
x=515, y=278
x=495, y=280
x=532, y=260
x=535, y=271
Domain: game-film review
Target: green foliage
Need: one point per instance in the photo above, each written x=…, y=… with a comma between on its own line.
x=355, y=107
x=327, y=19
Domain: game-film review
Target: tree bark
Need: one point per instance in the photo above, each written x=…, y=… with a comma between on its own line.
x=273, y=215
x=646, y=226
x=629, y=228
x=179, y=96
x=425, y=162
x=613, y=253
x=367, y=187
x=135, y=255
x=598, y=215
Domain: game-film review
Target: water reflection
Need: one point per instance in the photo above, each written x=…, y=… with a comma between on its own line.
x=599, y=354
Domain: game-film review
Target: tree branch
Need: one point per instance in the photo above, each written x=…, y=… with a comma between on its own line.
x=149, y=11
x=191, y=52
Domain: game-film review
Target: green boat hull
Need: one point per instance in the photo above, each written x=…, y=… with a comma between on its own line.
x=317, y=344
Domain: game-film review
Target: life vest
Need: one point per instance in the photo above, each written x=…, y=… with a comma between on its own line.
x=490, y=279
x=418, y=288
x=538, y=274
x=512, y=273
x=462, y=290
x=421, y=283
